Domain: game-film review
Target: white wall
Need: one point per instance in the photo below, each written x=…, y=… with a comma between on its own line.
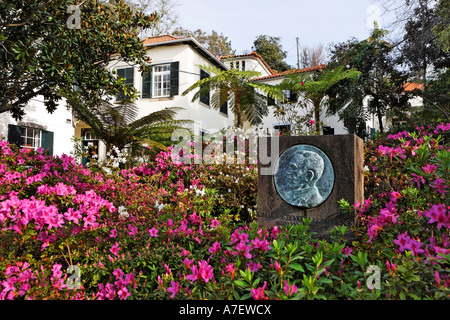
x=209, y=119
x=36, y=115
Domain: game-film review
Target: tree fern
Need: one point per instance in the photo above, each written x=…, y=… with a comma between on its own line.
x=234, y=86
x=117, y=124
x=315, y=87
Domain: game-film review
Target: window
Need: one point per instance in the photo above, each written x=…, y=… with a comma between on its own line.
x=224, y=108
x=128, y=75
x=161, y=82
x=291, y=96
x=204, y=98
x=89, y=146
x=283, y=128
x=30, y=138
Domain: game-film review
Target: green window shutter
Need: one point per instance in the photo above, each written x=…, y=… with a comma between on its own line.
x=47, y=141
x=293, y=97
x=14, y=134
x=224, y=108
x=147, y=85
x=128, y=75
x=174, y=78
x=204, y=98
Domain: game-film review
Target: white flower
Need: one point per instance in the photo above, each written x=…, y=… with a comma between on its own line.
x=159, y=206
x=123, y=213
x=200, y=192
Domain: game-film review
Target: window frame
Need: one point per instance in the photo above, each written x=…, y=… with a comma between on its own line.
x=128, y=77
x=36, y=142
x=165, y=91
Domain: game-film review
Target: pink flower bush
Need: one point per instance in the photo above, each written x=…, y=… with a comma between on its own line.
x=169, y=230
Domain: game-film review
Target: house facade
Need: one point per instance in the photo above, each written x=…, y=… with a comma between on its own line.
x=40, y=129
x=176, y=65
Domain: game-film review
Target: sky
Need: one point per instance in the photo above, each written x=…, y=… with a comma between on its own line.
x=312, y=21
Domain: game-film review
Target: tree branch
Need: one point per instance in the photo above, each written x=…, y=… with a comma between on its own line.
x=42, y=5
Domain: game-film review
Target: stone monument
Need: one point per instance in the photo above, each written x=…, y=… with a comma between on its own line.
x=306, y=177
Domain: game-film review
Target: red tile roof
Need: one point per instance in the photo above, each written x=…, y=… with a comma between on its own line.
x=292, y=71
x=411, y=86
x=157, y=39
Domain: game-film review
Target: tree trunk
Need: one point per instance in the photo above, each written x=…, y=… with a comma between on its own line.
x=238, y=115
x=317, y=115
x=380, y=119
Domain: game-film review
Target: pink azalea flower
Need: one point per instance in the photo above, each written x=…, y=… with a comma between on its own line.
x=153, y=232
x=115, y=249
x=372, y=232
x=259, y=293
x=395, y=196
x=215, y=248
x=429, y=168
x=113, y=233
x=194, y=275
x=205, y=271
x=118, y=273
x=132, y=230
x=174, y=288
x=214, y=223
x=347, y=251
x=440, y=186
x=188, y=262
x=289, y=290
x=403, y=241
x=277, y=266
x=244, y=249
x=416, y=246
x=229, y=268
x=72, y=215
x=123, y=293
x=260, y=244
x=438, y=213
x=253, y=266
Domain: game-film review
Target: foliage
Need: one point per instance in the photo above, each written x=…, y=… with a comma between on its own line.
x=419, y=50
x=314, y=87
x=41, y=56
x=216, y=43
x=153, y=231
x=168, y=17
x=118, y=124
x=299, y=115
x=442, y=28
x=380, y=81
x=272, y=51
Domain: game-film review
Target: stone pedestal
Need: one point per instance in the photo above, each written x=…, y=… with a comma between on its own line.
x=346, y=153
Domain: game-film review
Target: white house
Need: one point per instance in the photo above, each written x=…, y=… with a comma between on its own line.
x=175, y=67
x=40, y=129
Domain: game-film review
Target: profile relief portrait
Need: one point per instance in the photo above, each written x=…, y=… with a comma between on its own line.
x=298, y=173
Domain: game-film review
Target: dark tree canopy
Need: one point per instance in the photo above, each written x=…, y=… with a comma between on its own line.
x=41, y=55
x=216, y=43
x=272, y=51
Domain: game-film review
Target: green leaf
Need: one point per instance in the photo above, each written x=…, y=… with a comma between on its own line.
x=325, y=280
x=296, y=266
x=241, y=283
